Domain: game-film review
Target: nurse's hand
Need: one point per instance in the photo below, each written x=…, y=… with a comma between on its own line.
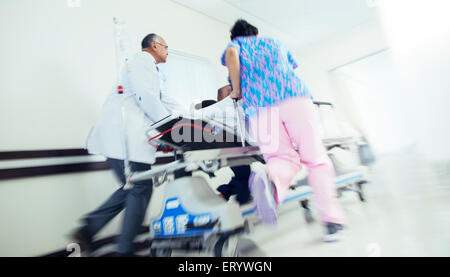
x=235, y=94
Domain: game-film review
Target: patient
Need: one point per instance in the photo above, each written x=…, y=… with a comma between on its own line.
x=223, y=111
x=224, y=92
x=239, y=183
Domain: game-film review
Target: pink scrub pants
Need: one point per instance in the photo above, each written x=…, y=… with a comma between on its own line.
x=295, y=120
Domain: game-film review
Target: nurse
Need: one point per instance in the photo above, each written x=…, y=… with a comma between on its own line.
x=280, y=111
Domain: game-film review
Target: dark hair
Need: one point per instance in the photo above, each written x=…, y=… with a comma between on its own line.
x=146, y=42
x=243, y=29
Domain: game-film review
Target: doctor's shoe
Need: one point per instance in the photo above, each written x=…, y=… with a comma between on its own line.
x=85, y=242
x=333, y=232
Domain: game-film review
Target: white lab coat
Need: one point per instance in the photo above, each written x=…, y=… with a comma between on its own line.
x=122, y=135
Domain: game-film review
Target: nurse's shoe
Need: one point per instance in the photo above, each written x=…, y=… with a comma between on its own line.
x=333, y=232
x=262, y=192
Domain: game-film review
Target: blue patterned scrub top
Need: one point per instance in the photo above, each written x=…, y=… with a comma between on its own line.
x=267, y=73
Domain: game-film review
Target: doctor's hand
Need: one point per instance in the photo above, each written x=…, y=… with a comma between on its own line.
x=235, y=94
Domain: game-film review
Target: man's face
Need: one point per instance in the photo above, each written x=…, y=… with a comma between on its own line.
x=160, y=48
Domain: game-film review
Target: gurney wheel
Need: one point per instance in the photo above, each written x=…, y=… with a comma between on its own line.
x=159, y=252
x=308, y=216
x=360, y=192
x=226, y=246
x=361, y=197
x=307, y=211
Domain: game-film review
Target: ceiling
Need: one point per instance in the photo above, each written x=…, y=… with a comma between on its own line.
x=300, y=23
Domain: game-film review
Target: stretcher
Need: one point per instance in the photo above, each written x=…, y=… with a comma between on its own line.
x=193, y=216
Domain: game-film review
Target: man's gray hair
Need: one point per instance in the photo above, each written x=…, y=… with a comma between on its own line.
x=147, y=41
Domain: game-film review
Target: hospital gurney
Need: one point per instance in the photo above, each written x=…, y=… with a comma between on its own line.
x=193, y=216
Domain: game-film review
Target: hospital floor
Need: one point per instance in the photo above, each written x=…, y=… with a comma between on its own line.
x=407, y=213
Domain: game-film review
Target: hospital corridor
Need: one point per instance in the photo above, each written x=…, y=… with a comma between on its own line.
x=224, y=128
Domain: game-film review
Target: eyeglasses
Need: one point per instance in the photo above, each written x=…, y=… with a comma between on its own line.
x=165, y=46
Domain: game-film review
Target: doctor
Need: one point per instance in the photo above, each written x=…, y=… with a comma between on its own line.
x=120, y=133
